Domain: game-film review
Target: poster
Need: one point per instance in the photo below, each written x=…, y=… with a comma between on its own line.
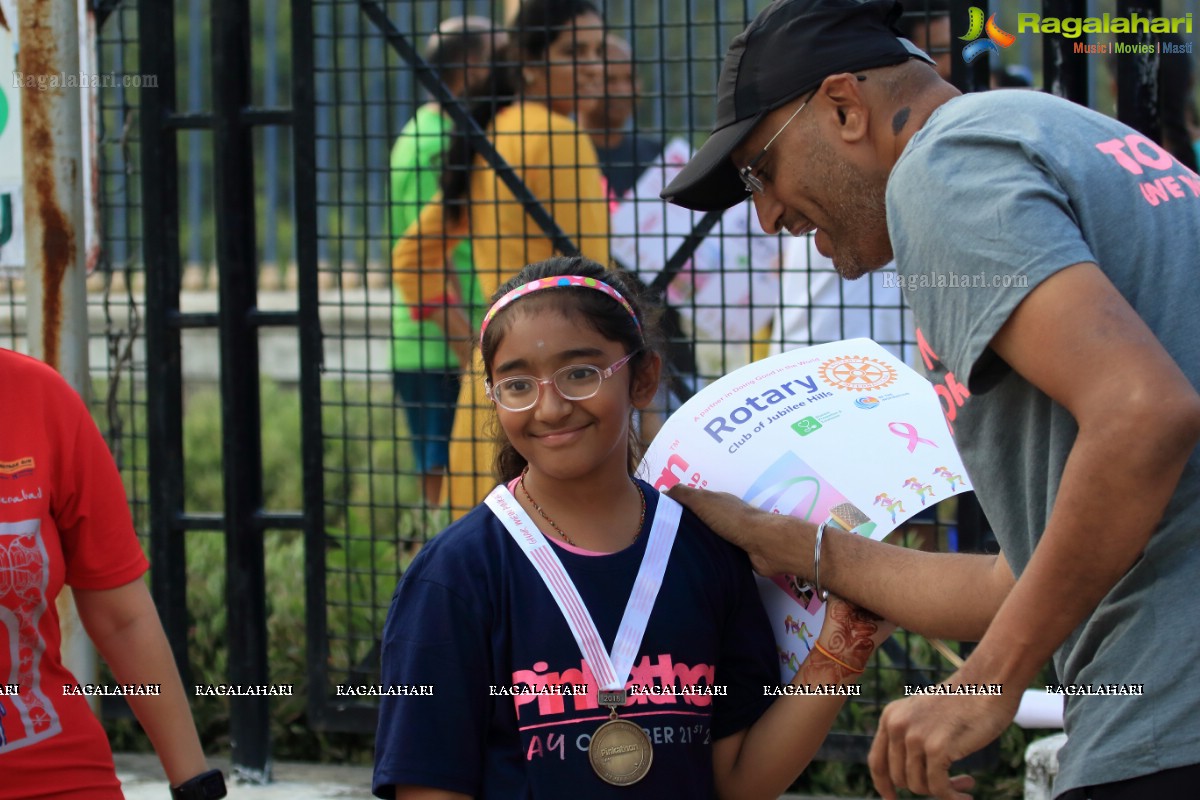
x=843, y=432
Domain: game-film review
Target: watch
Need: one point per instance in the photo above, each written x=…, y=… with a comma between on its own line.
x=205, y=786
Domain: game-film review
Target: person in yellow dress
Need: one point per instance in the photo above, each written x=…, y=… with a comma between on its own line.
x=551, y=69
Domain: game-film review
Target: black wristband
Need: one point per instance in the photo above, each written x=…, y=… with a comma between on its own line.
x=205, y=786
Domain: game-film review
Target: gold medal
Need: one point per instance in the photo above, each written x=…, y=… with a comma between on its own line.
x=620, y=752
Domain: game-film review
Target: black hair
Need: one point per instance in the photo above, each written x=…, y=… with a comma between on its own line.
x=451, y=46
x=537, y=24
x=604, y=314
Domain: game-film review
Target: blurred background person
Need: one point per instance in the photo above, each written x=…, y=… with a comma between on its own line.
x=549, y=71
x=1176, y=76
x=926, y=23
x=624, y=153
x=1174, y=80
x=817, y=306
x=1012, y=76
x=425, y=371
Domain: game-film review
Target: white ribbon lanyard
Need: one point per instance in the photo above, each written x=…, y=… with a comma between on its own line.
x=610, y=672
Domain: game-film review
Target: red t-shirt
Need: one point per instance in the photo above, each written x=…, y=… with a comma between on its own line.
x=63, y=519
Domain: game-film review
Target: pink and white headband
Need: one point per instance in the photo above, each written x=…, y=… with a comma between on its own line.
x=553, y=283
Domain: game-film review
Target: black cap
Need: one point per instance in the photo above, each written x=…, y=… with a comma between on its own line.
x=789, y=49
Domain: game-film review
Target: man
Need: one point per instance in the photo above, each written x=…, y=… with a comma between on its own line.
x=1069, y=375
x=623, y=154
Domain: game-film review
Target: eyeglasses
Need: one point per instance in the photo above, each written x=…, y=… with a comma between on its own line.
x=752, y=182
x=573, y=382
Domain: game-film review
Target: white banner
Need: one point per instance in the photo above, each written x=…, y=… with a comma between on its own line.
x=843, y=431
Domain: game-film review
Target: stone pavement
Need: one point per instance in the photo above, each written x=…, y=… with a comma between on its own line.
x=142, y=779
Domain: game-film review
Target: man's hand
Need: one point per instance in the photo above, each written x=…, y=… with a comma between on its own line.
x=775, y=543
x=920, y=737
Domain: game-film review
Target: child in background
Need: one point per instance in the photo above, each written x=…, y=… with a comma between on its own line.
x=425, y=371
x=572, y=558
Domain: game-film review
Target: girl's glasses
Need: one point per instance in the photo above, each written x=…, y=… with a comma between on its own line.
x=573, y=382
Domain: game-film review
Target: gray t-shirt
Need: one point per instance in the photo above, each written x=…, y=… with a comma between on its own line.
x=997, y=192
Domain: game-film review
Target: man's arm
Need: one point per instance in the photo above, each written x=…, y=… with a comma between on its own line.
x=1078, y=340
x=125, y=627
x=939, y=595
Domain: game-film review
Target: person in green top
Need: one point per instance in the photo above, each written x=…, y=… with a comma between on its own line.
x=424, y=369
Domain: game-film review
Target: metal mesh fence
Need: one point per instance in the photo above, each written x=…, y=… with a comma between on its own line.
x=381, y=152
x=116, y=284
x=577, y=160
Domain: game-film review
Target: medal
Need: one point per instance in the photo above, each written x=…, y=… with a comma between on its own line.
x=620, y=751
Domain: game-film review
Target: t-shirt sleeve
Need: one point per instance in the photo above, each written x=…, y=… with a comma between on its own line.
x=433, y=637
x=90, y=509
x=747, y=660
x=419, y=257
x=977, y=222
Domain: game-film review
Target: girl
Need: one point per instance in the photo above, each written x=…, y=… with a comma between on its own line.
x=550, y=69
x=510, y=615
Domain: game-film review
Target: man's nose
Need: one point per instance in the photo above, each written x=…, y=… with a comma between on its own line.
x=770, y=212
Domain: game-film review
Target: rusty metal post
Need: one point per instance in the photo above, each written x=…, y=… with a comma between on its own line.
x=55, y=269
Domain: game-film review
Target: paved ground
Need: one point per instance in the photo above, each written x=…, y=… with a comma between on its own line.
x=142, y=779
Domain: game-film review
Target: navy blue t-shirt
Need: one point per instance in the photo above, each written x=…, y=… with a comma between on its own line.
x=471, y=613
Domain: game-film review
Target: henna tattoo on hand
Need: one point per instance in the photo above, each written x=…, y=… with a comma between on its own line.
x=851, y=632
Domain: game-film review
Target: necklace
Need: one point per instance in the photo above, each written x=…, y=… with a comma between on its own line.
x=560, y=531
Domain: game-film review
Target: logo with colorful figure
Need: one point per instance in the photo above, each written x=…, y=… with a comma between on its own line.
x=857, y=373
x=997, y=38
x=867, y=402
x=890, y=504
x=923, y=490
x=951, y=476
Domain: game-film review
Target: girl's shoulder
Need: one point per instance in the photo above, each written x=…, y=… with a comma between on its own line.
x=699, y=542
x=469, y=547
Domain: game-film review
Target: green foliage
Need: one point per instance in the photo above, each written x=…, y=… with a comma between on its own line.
x=370, y=474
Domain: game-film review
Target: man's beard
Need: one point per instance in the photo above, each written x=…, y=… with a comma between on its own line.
x=859, y=210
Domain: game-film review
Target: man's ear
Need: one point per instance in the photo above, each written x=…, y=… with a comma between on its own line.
x=644, y=385
x=843, y=91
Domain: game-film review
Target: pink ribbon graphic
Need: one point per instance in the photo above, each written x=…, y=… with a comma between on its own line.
x=909, y=431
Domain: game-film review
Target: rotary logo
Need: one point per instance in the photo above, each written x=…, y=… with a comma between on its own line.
x=857, y=373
